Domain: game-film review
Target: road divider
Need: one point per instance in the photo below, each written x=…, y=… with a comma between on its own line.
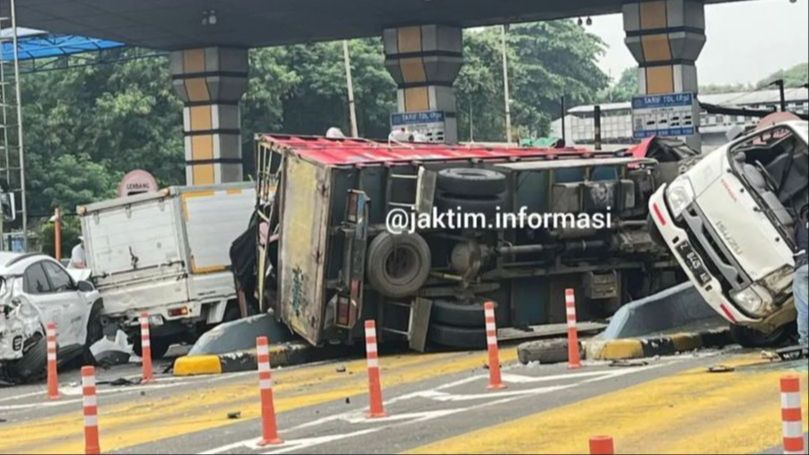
x=90, y=408
x=791, y=415
x=285, y=354
x=666, y=344
x=53, y=378
x=495, y=381
x=375, y=408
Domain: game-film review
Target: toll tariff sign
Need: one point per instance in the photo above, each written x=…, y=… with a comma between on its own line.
x=672, y=114
x=428, y=125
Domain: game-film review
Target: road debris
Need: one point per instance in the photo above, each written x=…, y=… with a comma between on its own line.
x=234, y=415
x=720, y=369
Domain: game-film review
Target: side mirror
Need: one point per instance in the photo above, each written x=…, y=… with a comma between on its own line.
x=85, y=286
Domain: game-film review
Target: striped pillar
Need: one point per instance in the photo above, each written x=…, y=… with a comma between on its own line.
x=424, y=61
x=666, y=37
x=211, y=82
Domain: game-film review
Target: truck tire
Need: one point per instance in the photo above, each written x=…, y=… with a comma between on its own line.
x=459, y=314
x=160, y=346
x=752, y=338
x=95, y=332
x=471, y=181
x=486, y=205
x=543, y=351
x=398, y=265
x=31, y=366
x=457, y=337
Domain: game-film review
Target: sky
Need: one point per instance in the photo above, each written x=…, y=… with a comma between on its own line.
x=746, y=41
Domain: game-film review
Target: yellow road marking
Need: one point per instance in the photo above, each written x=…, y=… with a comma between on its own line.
x=690, y=412
x=145, y=419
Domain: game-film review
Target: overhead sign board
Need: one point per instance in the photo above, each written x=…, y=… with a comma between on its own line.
x=427, y=125
x=672, y=114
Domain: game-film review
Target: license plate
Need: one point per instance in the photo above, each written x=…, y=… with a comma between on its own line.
x=693, y=262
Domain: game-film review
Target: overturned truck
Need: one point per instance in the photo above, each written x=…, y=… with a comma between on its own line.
x=327, y=257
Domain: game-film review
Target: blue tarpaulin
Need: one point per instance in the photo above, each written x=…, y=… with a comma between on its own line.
x=36, y=44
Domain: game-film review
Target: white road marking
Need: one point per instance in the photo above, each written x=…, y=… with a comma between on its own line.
x=437, y=394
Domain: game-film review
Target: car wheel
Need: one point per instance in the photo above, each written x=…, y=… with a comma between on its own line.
x=471, y=181
x=160, y=346
x=457, y=337
x=398, y=265
x=752, y=338
x=460, y=314
x=95, y=332
x=31, y=366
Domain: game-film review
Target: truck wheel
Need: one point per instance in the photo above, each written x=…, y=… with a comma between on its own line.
x=160, y=346
x=752, y=338
x=95, y=332
x=458, y=313
x=398, y=265
x=471, y=181
x=32, y=365
x=486, y=205
x=457, y=337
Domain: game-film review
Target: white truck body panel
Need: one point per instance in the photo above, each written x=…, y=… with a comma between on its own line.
x=154, y=252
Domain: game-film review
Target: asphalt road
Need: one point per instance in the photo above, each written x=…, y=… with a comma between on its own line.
x=436, y=403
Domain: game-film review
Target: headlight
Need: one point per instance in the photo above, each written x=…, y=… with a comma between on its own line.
x=780, y=279
x=679, y=195
x=752, y=300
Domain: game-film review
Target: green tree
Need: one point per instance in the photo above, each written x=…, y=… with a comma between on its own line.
x=547, y=60
x=86, y=126
x=793, y=77
x=623, y=89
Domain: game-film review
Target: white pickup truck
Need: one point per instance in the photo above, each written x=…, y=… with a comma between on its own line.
x=729, y=220
x=166, y=253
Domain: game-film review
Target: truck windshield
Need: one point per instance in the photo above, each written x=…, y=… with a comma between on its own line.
x=775, y=166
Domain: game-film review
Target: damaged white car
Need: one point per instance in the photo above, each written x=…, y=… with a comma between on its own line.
x=36, y=290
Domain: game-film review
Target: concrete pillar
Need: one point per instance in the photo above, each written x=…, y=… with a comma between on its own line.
x=424, y=61
x=666, y=37
x=211, y=82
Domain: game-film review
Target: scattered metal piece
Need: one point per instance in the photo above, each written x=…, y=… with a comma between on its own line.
x=720, y=369
x=629, y=363
x=341, y=369
x=234, y=415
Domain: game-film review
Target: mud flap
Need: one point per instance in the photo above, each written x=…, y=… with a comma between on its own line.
x=419, y=323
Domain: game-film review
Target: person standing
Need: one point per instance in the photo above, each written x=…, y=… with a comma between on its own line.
x=78, y=260
x=800, y=281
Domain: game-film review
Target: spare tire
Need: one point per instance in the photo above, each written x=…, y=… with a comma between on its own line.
x=398, y=264
x=457, y=337
x=471, y=181
x=486, y=205
x=459, y=314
